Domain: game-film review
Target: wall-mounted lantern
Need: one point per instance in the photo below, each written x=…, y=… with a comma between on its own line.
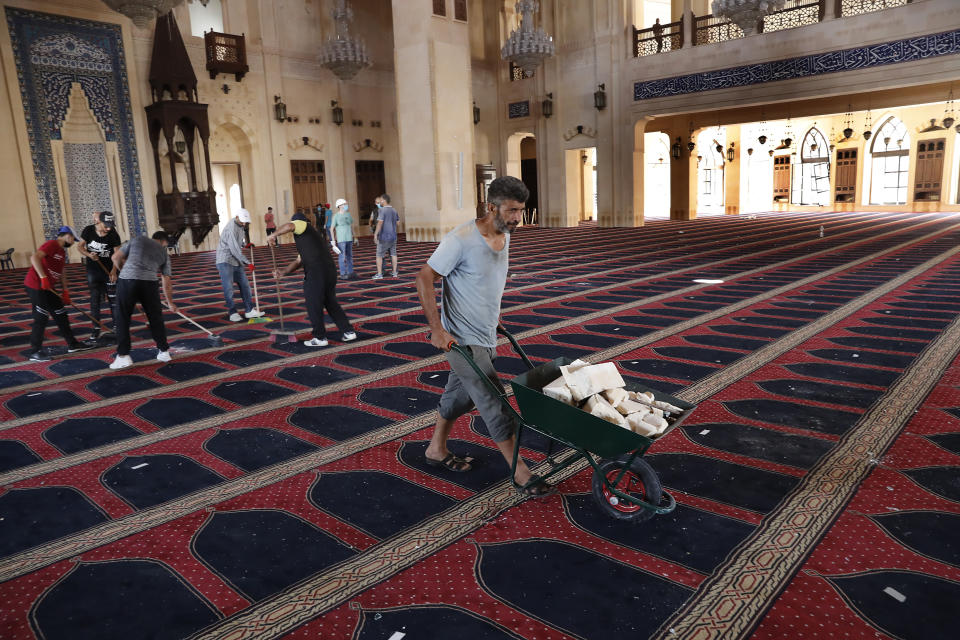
x=337, y=113
x=730, y=153
x=546, y=107
x=181, y=146
x=600, y=98
x=279, y=109
x=675, y=149
x=476, y=114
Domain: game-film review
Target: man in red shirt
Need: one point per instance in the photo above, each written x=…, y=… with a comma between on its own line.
x=270, y=222
x=44, y=278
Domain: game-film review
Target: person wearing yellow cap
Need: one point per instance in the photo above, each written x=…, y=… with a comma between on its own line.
x=232, y=265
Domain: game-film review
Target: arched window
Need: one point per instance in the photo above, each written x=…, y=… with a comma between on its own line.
x=811, y=176
x=890, y=163
x=710, y=164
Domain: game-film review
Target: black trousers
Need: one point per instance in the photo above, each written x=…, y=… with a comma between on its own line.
x=147, y=293
x=320, y=294
x=100, y=288
x=45, y=304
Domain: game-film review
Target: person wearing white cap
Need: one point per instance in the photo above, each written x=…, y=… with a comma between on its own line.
x=342, y=231
x=43, y=277
x=231, y=263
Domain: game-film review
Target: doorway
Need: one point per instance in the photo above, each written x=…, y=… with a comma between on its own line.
x=710, y=168
x=309, y=186
x=581, y=173
x=656, y=175
x=371, y=184
x=486, y=173
x=528, y=174
x=228, y=184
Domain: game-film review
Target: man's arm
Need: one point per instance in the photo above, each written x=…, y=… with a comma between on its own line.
x=287, y=270
x=36, y=261
x=233, y=246
x=286, y=227
x=168, y=292
x=439, y=337
x=333, y=229
x=82, y=248
x=376, y=233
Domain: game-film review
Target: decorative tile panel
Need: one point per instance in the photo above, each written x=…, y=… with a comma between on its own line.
x=908, y=50
x=87, y=181
x=518, y=109
x=51, y=53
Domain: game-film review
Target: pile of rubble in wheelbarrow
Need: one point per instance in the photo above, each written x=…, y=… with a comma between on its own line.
x=599, y=389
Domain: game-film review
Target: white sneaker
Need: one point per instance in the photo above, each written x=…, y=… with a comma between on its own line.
x=348, y=336
x=254, y=313
x=235, y=317
x=316, y=342
x=164, y=356
x=121, y=362
x=379, y=276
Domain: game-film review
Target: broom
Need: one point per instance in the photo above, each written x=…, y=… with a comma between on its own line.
x=256, y=296
x=281, y=335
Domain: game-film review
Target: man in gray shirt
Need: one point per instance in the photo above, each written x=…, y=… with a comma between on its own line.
x=231, y=264
x=138, y=262
x=472, y=261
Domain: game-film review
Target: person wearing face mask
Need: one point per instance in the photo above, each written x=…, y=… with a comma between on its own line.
x=44, y=277
x=341, y=231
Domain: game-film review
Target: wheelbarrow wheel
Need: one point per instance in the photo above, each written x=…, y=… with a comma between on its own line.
x=639, y=481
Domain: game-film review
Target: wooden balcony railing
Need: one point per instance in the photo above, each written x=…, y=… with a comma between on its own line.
x=858, y=7
x=796, y=13
x=709, y=29
x=226, y=53
x=658, y=38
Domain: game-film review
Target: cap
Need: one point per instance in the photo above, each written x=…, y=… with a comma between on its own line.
x=340, y=201
x=65, y=229
x=244, y=215
x=107, y=219
x=299, y=216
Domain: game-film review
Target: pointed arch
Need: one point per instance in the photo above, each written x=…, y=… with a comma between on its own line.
x=889, y=163
x=811, y=176
x=710, y=167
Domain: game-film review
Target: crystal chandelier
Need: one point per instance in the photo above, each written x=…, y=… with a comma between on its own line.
x=527, y=47
x=142, y=11
x=342, y=54
x=745, y=13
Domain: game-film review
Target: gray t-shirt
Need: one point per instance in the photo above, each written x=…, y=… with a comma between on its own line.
x=145, y=257
x=388, y=231
x=474, y=276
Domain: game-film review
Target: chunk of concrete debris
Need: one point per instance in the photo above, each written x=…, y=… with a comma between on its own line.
x=615, y=396
x=592, y=379
x=628, y=407
x=558, y=390
x=599, y=407
x=637, y=424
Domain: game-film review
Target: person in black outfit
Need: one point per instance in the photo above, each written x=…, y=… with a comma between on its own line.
x=98, y=241
x=319, y=279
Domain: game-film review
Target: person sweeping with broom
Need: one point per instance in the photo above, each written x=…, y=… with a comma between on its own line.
x=319, y=279
x=231, y=263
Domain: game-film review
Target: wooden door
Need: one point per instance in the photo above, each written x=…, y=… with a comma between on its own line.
x=781, y=178
x=371, y=184
x=309, y=186
x=846, y=175
x=929, y=169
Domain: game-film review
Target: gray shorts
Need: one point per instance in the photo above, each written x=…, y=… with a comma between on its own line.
x=465, y=390
x=384, y=247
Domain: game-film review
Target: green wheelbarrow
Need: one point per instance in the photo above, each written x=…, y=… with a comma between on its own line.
x=624, y=486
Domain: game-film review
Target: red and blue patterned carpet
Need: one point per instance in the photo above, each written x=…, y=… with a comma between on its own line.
x=260, y=491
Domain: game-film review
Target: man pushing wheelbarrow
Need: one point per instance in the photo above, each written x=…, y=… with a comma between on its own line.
x=472, y=261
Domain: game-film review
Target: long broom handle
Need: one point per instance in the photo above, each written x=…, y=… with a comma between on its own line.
x=273, y=258
x=253, y=272
x=197, y=325
x=102, y=326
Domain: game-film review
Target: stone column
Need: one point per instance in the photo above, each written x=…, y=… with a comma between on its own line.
x=731, y=172
x=435, y=120
x=683, y=181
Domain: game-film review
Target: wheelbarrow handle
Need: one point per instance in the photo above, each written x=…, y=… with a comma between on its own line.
x=516, y=346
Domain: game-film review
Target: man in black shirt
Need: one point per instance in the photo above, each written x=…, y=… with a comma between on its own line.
x=98, y=242
x=319, y=279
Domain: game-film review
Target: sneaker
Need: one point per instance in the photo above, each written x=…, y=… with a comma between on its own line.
x=39, y=356
x=121, y=362
x=348, y=336
x=254, y=313
x=235, y=317
x=316, y=342
x=396, y=274
x=164, y=356
x=79, y=346
x=379, y=276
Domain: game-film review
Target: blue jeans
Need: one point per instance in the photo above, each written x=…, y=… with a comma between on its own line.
x=228, y=275
x=346, y=258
